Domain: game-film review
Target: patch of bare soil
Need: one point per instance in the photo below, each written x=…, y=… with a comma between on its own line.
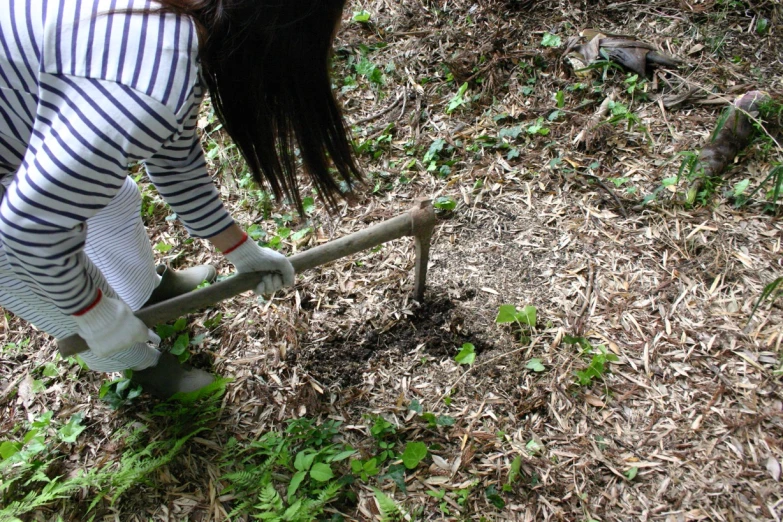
x=435, y=328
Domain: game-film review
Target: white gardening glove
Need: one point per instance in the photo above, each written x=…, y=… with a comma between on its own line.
x=109, y=327
x=249, y=257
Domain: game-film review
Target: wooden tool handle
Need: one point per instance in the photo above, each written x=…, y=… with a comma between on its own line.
x=416, y=222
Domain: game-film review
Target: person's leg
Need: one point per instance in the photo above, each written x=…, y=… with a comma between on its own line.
x=119, y=247
x=117, y=243
x=118, y=256
x=19, y=298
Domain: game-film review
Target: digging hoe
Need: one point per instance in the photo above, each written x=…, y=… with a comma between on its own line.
x=418, y=222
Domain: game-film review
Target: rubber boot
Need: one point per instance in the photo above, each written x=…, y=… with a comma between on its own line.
x=178, y=282
x=169, y=377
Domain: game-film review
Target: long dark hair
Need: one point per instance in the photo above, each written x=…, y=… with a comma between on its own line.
x=266, y=65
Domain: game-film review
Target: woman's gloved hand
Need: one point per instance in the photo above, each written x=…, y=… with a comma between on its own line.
x=247, y=256
x=109, y=326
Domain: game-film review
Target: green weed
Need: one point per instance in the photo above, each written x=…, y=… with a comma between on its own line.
x=304, y=461
x=598, y=356
x=466, y=355
x=458, y=100
x=551, y=40
x=772, y=195
x=525, y=319
x=436, y=158
x=771, y=292
x=29, y=467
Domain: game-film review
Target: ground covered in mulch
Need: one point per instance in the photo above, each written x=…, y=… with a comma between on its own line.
x=686, y=424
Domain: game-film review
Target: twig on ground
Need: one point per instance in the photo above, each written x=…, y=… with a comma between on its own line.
x=593, y=122
x=579, y=323
x=601, y=184
x=386, y=110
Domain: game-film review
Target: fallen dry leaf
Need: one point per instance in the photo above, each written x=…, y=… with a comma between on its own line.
x=773, y=466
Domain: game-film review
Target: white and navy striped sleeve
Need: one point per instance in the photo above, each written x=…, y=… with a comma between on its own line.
x=179, y=172
x=85, y=134
x=111, y=88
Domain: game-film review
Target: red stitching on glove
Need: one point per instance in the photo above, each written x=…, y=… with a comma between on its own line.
x=91, y=305
x=244, y=238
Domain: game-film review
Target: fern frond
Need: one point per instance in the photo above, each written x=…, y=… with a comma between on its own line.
x=390, y=510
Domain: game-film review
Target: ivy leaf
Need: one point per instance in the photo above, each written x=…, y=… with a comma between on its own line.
x=494, y=497
x=533, y=447
x=509, y=314
x=445, y=203
x=435, y=148
x=308, y=205
x=445, y=420
x=8, y=449
x=180, y=324
x=432, y=421
x=551, y=40
x=165, y=331
x=506, y=314
x=300, y=234
x=535, y=365
x=255, y=232
x=396, y=474
x=467, y=354
x=321, y=472
x=180, y=345
x=72, y=429
x=413, y=454
x=527, y=315
x=361, y=17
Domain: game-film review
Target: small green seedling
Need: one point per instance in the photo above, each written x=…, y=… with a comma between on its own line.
x=551, y=40
x=762, y=26
x=538, y=128
x=514, y=473
x=768, y=293
x=467, y=355
x=163, y=248
x=446, y=203
x=433, y=421
x=458, y=100
x=600, y=358
x=361, y=17
x=494, y=497
x=413, y=454
x=509, y=314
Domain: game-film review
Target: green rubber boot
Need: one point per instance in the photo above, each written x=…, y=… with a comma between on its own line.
x=178, y=282
x=169, y=377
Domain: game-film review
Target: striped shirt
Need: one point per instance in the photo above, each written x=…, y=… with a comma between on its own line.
x=87, y=87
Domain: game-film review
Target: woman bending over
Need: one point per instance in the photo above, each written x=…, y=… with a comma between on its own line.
x=89, y=86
